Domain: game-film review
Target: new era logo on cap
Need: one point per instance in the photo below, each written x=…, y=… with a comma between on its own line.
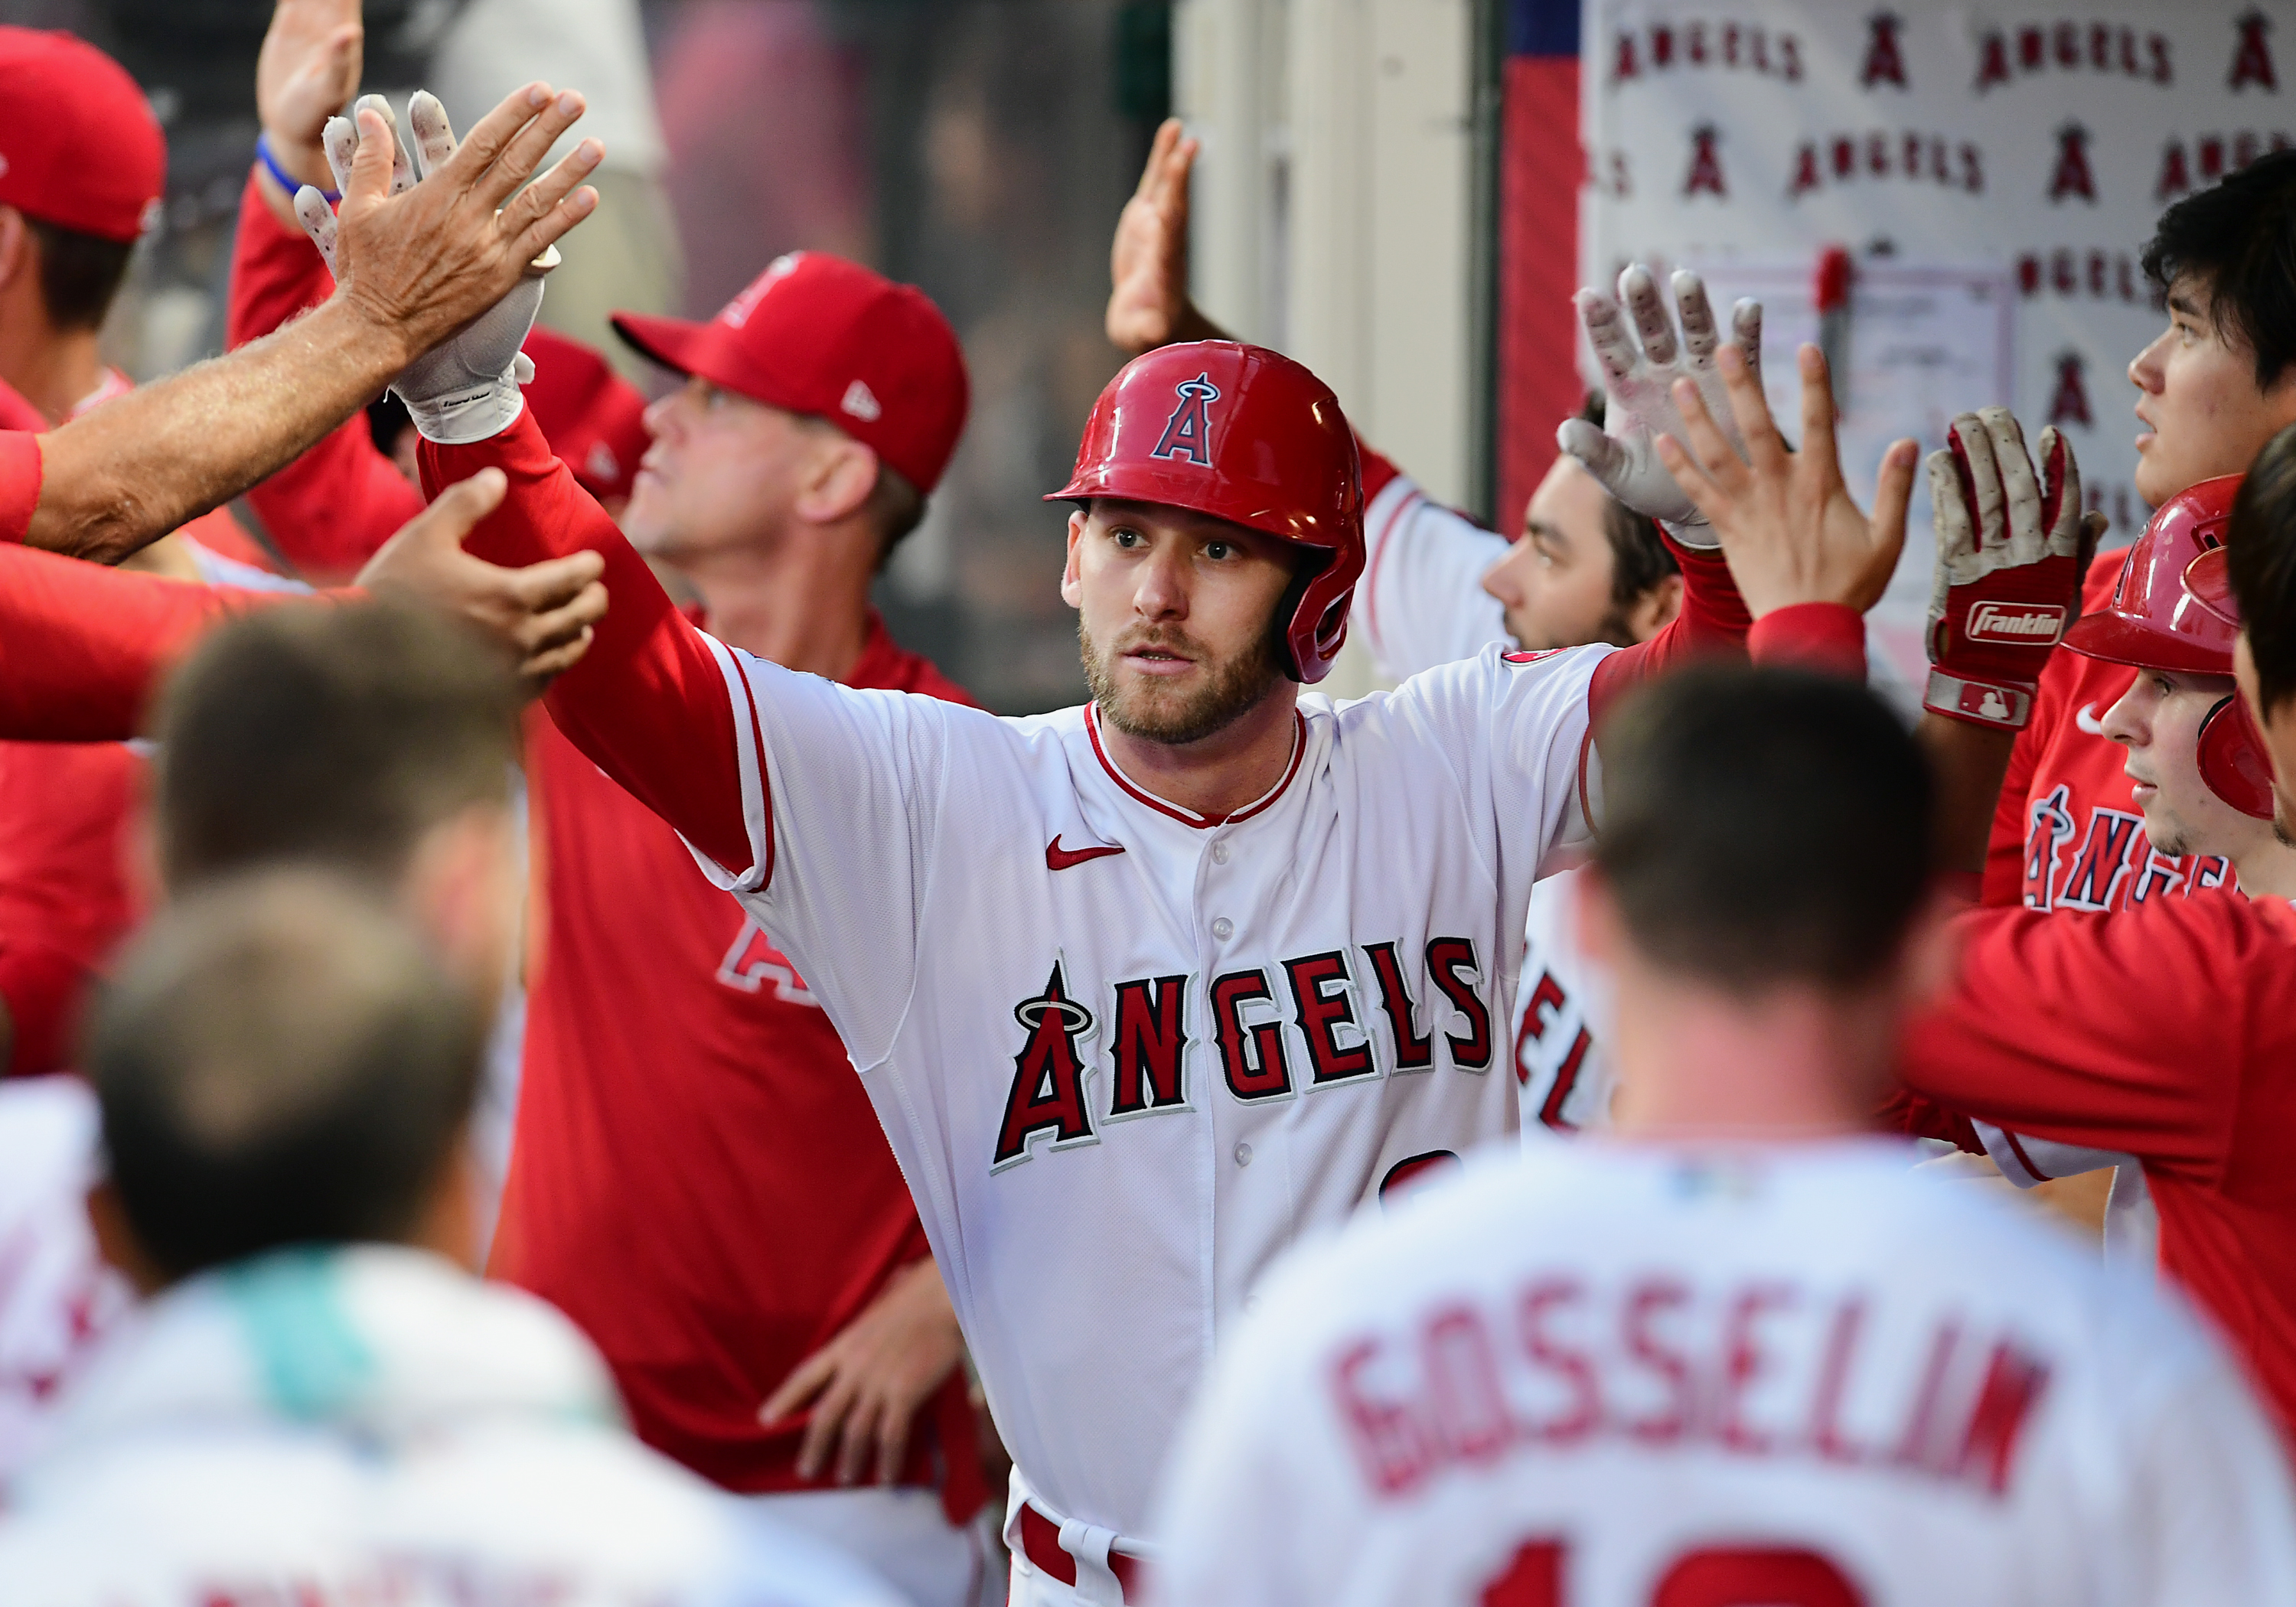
x=861, y=402
x=2014, y=622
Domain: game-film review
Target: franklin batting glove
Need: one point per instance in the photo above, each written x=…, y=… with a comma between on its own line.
x=2007, y=581
x=1641, y=361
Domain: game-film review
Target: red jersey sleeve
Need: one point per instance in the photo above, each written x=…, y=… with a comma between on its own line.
x=2140, y=1031
x=648, y=703
x=329, y=510
x=1713, y=619
x=19, y=482
x=82, y=646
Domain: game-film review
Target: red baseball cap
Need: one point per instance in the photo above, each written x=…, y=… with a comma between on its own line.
x=594, y=419
x=78, y=145
x=816, y=334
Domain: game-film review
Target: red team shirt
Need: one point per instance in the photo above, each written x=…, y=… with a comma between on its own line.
x=698, y=1178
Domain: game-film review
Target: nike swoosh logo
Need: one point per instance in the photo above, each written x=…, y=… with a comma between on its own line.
x=1058, y=859
x=2088, y=721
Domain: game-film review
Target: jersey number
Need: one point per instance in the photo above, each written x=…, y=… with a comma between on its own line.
x=1713, y=1576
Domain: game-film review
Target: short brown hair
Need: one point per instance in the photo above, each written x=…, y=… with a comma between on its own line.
x=79, y=273
x=278, y=1061
x=331, y=734
x=1764, y=827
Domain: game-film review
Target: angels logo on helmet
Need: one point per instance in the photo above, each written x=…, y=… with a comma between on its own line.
x=1188, y=433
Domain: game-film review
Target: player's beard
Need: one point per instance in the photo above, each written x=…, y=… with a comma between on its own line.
x=1230, y=690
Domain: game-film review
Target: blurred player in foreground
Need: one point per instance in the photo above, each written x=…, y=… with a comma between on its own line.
x=2163, y=1032
x=1735, y=1350
x=320, y=1402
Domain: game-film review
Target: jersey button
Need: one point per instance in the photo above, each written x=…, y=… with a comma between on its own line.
x=1219, y=853
x=1243, y=1155
x=1223, y=928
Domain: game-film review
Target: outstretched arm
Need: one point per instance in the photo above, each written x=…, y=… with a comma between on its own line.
x=650, y=704
x=83, y=647
x=417, y=267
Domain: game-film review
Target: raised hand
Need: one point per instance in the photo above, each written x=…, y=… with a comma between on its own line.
x=308, y=67
x=1642, y=361
x=414, y=264
x=466, y=389
x=1784, y=520
x=1148, y=303
x=2011, y=550
x=544, y=613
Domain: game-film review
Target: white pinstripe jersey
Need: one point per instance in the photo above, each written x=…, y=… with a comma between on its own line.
x=1124, y=1053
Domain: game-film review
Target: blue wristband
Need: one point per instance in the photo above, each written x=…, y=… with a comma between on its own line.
x=286, y=180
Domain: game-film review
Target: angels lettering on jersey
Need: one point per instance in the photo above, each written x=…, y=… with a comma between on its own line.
x=1275, y=1030
x=2105, y=862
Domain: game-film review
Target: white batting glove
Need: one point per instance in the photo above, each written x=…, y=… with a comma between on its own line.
x=1640, y=364
x=467, y=390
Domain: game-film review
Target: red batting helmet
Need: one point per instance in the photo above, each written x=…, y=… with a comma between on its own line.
x=2234, y=762
x=1246, y=435
x=2154, y=621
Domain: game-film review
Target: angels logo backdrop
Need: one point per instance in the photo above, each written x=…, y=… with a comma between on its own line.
x=2034, y=144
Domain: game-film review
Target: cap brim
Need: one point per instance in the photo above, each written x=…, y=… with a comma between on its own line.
x=676, y=344
x=2118, y=641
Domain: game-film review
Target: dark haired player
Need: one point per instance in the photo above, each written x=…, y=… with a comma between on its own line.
x=1733, y=1350
x=2163, y=1032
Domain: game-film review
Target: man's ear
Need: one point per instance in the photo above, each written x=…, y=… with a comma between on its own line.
x=839, y=478
x=117, y=1242
x=1071, y=576
x=1656, y=608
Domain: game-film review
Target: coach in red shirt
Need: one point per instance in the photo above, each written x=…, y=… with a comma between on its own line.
x=697, y=1177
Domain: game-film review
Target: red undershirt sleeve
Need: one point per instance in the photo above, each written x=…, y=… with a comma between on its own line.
x=2134, y=1030
x=82, y=647
x=1713, y=620
x=329, y=510
x=648, y=703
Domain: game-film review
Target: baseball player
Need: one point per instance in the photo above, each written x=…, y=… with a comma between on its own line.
x=1734, y=1351
x=2180, y=646
x=2158, y=1032
x=1436, y=586
x=2214, y=387
x=1141, y=990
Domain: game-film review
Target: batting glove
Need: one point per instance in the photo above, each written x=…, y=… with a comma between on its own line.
x=1640, y=364
x=2009, y=562
x=466, y=390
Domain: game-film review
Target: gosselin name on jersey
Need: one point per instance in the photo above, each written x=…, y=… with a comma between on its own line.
x=1659, y=1362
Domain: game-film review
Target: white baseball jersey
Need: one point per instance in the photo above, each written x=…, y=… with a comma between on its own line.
x=1421, y=604
x=57, y=1297
x=1126, y=1054
x=1596, y=1375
